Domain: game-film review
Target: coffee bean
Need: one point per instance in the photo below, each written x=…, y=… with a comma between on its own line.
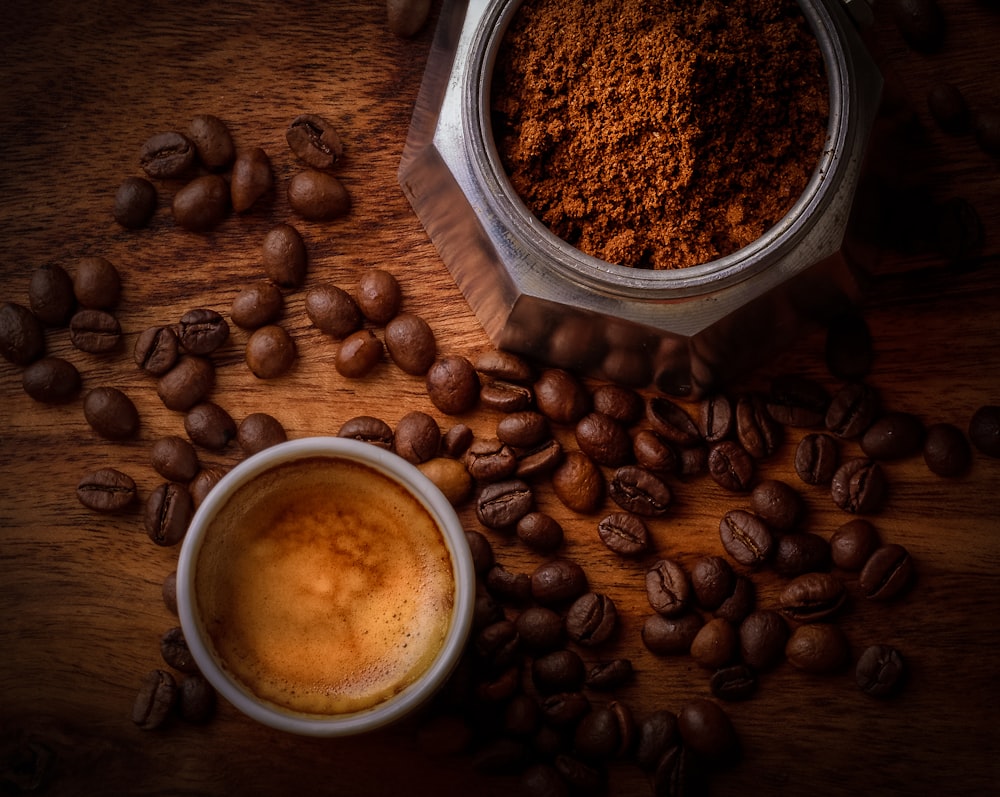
x=817, y=458
x=111, y=413
x=849, y=351
x=737, y=607
x=506, y=397
x=561, y=397
x=284, y=256
x=196, y=699
x=880, y=671
x=852, y=410
x=257, y=304
x=379, y=296
x=169, y=509
x=202, y=204
x=540, y=532
x=333, y=310
x=453, y=384
x=94, y=331
x=619, y=403
x=358, y=354
x=578, y=483
x=800, y=552
x=405, y=18
x=411, y=343
x=984, y=430
x=798, y=401
x=715, y=418
x=657, y=734
x=164, y=156
x=490, y=461
x=450, y=477
x=671, y=636
x=778, y=504
x=540, y=459
x=624, y=533
x=314, y=141
x=859, y=486
x=497, y=689
x=756, y=430
x=505, y=365
x=946, y=451
x=558, y=671
x=417, y=437
x=51, y=380
x=202, y=331
x=812, y=597
x=210, y=426
x=707, y=730
x=920, y=22
x=895, y=435
x=203, y=483
x=558, y=581
x=50, y=295
x=819, y=648
x=592, y=619
x=155, y=700
x=607, y=676
x=948, y=107
x=639, y=491
x=481, y=550
x=187, y=383
x=888, y=573
x=540, y=628
x=737, y=682
x=654, y=453
x=498, y=645
x=604, y=733
x=317, y=196
x=251, y=179
x=169, y=592
x=175, y=651
x=852, y=544
x=456, y=441
x=368, y=429
x=692, y=461
x=712, y=580
x=763, y=635
x=509, y=586
x=134, y=203
x=730, y=466
x=671, y=422
x=668, y=588
x=22, y=339
x=156, y=350
x=583, y=777
x=271, y=352
x=97, y=283
x=746, y=538
x=502, y=504
x=106, y=490
x=174, y=458
x=524, y=429
x=715, y=644
x=212, y=141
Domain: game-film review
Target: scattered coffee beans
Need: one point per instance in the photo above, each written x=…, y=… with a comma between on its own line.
x=22, y=339
x=270, y=352
x=187, y=383
x=212, y=141
x=984, y=430
x=202, y=331
x=819, y=648
x=111, y=413
x=888, y=573
x=453, y=384
x=202, y=204
x=174, y=458
x=256, y=305
x=880, y=671
x=314, y=141
x=134, y=203
x=156, y=350
x=379, y=295
x=168, y=512
x=50, y=295
x=97, y=283
x=859, y=486
x=155, y=700
x=51, y=380
x=318, y=196
x=252, y=178
x=411, y=344
x=284, y=256
x=164, y=156
x=209, y=426
x=946, y=451
x=106, y=490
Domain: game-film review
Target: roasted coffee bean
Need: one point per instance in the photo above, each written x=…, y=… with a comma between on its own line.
x=715, y=644
x=849, y=352
x=592, y=619
x=671, y=422
x=134, y=203
x=819, y=648
x=169, y=592
x=506, y=397
x=94, y=331
x=497, y=689
x=175, y=651
x=167, y=155
x=270, y=352
x=411, y=343
x=498, y=644
x=606, y=676
x=639, y=491
x=730, y=466
x=740, y=603
x=405, y=18
x=51, y=380
x=22, y=339
x=712, y=581
x=859, y=486
x=707, y=730
x=756, y=430
x=486, y=609
x=50, y=295
x=251, y=179
x=111, y=413
x=521, y=717
x=202, y=331
x=948, y=108
x=368, y=429
x=203, y=483
x=450, y=477
x=657, y=735
x=746, y=538
x=187, y=383
x=156, y=350
x=800, y=552
x=169, y=509
x=763, y=635
x=358, y=354
x=210, y=426
x=920, y=22
x=888, y=573
x=564, y=709
x=778, y=504
x=880, y=671
x=540, y=532
x=379, y=296
x=453, y=384
x=558, y=581
x=541, y=629
x=258, y=304
x=984, y=430
x=456, y=441
x=817, y=458
x=894, y=435
x=852, y=410
x=558, y=671
x=600, y=734
x=524, y=429
x=619, y=403
x=333, y=310
x=578, y=482
x=502, y=504
x=671, y=636
x=212, y=141
x=668, y=588
x=490, y=461
x=314, y=141
x=317, y=196
x=481, y=550
x=692, y=461
x=106, y=490
x=258, y=431
x=284, y=256
x=796, y=400
x=853, y=543
x=946, y=451
x=504, y=365
x=541, y=459
x=174, y=458
x=196, y=699
x=155, y=701
x=624, y=533
x=97, y=283
x=202, y=204
x=654, y=453
x=812, y=597
x=561, y=397
x=715, y=418
x=417, y=437
x=733, y=683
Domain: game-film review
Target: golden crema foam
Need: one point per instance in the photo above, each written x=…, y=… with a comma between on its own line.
x=326, y=588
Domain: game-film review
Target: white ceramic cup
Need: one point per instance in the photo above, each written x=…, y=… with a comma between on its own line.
x=398, y=705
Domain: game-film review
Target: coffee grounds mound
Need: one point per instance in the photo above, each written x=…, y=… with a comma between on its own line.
x=659, y=134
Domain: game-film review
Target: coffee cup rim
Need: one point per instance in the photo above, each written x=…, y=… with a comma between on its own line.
x=408, y=699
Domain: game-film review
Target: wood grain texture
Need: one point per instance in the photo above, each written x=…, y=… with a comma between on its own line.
x=80, y=608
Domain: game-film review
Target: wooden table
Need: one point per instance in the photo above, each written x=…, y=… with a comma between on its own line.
x=85, y=84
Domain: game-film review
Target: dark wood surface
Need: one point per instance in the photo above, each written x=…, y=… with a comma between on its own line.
x=83, y=85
